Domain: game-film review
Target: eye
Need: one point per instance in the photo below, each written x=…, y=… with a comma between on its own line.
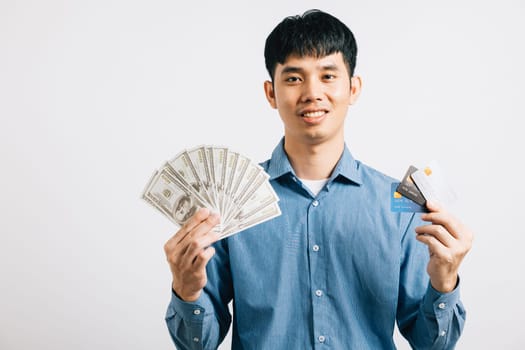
x=292, y=79
x=329, y=77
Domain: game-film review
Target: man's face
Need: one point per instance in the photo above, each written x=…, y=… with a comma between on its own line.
x=312, y=96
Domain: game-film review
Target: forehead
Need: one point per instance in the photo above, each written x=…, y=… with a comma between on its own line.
x=298, y=63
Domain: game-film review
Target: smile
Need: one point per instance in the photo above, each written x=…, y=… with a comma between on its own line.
x=315, y=114
x=314, y=117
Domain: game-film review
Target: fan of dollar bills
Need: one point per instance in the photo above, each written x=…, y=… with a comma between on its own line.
x=216, y=178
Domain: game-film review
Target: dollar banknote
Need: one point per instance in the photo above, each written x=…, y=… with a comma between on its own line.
x=217, y=178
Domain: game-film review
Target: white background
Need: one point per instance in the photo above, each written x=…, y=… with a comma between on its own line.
x=94, y=95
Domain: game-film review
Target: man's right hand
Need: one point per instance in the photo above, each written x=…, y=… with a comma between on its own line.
x=188, y=252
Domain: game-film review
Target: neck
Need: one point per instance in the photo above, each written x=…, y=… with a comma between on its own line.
x=314, y=161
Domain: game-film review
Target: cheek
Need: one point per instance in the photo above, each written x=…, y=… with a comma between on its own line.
x=343, y=95
x=342, y=99
x=283, y=101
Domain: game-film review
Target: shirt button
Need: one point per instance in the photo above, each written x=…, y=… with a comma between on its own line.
x=321, y=339
x=196, y=312
x=443, y=333
x=442, y=305
x=315, y=248
x=319, y=292
x=315, y=203
x=196, y=340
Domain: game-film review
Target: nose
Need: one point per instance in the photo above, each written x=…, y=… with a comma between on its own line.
x=312, y=90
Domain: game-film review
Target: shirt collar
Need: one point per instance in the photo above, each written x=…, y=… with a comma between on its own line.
x=347, y=167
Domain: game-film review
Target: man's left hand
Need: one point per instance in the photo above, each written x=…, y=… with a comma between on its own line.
x=448, y=242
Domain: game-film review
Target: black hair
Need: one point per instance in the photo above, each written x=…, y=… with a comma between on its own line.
x=315, y=33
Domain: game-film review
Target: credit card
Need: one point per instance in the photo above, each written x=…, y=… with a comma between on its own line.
x=399, y=203
x=432, y=183
x=408, y=189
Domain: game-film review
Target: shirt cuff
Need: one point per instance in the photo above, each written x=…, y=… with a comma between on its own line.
x=437, y=303
x=190, y=311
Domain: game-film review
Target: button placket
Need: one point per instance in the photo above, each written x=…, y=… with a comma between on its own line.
x=318, y=268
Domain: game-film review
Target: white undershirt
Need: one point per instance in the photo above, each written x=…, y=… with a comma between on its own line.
x=315, y=186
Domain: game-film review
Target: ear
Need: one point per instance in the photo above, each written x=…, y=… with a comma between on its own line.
x=269, y=92
x=355, y=88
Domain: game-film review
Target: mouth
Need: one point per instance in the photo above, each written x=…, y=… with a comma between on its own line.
x=314, y=116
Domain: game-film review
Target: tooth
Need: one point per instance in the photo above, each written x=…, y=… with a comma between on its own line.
x=314, y=114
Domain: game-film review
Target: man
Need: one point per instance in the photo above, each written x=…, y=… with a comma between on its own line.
x=337, y=269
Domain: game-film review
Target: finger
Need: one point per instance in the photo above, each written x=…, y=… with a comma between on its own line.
x=434, y=206
x=439, y=232
x=178, y=244
x=198, y=238
x=193, y=221
x=202, y=259
x=198, y=245
x=201, y=228
x=182, y=248
x=435, y=247
x=443, y=218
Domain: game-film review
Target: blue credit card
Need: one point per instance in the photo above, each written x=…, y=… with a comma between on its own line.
x=399, y=203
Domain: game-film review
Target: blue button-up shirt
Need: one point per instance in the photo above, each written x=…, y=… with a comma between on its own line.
x=334, y=271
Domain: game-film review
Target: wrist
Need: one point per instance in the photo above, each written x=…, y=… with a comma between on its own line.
x=445, y=286
x=187, y=297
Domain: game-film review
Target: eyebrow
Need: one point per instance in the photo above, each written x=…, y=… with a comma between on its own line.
x=293, y=69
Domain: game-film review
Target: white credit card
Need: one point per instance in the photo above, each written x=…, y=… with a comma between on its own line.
x=432, y=183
